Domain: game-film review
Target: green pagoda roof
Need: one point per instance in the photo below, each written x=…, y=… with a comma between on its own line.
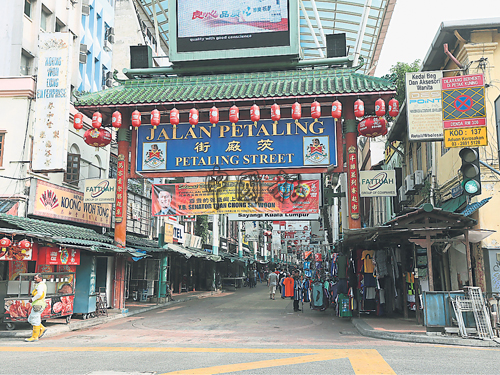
x=238, y=86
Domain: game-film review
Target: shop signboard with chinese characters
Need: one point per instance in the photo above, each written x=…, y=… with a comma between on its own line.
x=58, y=202
x=424, y=106
x=225, y=196
x=59, y=256
x=50, y=138
x=352, y=166
x=245, y=146
x=121, y=189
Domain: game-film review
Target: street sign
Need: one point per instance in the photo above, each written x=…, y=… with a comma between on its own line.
x=463, y=101
x=466, y=137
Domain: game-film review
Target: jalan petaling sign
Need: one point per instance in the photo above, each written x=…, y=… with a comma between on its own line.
x=241, y=146
x=377, y=183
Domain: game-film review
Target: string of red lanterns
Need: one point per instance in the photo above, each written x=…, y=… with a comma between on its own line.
x=98, y=138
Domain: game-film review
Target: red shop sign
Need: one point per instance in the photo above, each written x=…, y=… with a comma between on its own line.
x=54, y=255
x=353, y=183
x=121, y=190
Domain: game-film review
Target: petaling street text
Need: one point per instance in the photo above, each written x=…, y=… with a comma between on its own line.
x=237, y=131
x=193, y=161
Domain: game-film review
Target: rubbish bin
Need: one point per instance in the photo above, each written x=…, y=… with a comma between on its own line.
x=144, y=295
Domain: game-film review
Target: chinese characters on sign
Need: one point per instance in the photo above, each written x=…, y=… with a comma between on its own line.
x=52, y=102
x=353, y=182
x=237, y=147
x=121, y=188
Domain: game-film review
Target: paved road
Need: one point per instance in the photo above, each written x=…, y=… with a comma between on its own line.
x=242, y=332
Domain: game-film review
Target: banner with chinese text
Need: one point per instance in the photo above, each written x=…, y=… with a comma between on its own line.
x=223, y=197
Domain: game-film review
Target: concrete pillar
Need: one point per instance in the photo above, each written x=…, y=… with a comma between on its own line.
x=215, y=231
x=240, y=240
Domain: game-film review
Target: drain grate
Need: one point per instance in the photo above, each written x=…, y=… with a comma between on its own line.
x=347, y=333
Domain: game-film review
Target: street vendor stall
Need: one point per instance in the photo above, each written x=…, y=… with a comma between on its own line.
x=59, y=298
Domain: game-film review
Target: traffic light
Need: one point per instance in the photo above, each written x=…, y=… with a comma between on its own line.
x=471, y=171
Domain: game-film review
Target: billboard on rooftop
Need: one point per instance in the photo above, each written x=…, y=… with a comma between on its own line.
x=221, y=29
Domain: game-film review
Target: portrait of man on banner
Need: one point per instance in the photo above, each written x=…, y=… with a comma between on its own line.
x=163, y=200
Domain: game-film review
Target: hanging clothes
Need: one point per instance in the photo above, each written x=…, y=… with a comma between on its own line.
x=342, y=266
x=367, y=257
x=317, y=295
x=306, y=293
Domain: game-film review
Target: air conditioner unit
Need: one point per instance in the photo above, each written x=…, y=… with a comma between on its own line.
x=403, y=198
x=111, y=31
x=111, y=39
x=83, y=48
x=419, y=179
x=107, y=46
x=409, y=185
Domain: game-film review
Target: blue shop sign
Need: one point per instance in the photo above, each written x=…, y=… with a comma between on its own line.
x=244, y=145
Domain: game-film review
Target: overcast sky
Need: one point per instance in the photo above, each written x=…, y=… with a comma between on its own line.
x=415, y=23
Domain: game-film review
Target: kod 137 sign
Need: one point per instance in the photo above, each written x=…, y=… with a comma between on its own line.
x=242, y=146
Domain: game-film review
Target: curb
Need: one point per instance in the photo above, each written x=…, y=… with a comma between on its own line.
x=366, y=330
x=77, y=325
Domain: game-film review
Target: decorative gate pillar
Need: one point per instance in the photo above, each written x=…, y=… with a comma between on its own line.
x=351, y=136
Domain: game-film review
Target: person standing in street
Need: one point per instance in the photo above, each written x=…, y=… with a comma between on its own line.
x=297, y=291
x=37, y=306
x=272, y=281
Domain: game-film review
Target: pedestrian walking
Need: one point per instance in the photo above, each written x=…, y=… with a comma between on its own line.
x=37, y=306
x=272, y=281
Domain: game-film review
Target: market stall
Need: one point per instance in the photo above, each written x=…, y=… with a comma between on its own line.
x=59, y=298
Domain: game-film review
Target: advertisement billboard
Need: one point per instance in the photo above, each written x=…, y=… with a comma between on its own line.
x=244, y=146
x=215, y=29
x=377, y=183
x=204, y=198
x=100, y=191
x=424, y=106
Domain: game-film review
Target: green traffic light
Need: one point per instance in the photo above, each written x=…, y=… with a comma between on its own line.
x=471, y=186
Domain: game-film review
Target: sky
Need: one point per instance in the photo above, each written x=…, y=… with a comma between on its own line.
x=415, y=23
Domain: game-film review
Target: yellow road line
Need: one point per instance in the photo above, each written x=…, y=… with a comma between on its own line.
x=363, y=361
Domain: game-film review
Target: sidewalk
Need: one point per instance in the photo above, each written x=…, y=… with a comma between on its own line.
x=399, y=329
x=58, y=326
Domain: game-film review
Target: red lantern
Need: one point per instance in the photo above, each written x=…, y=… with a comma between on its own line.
x=234, y=114
x=315, y=110
x=155, y=118
x=393, y=107
x=336, y=109
x=255, y=113
x=97, y=120
x=136, y=119
x=116, y=119
x=359, y=108
x=97, y=137
x=25, y=244
x=214, y=115
x=296, y=111
x=78, y=121
x=380, y=107
x=5, y=242
x=372, y=127
x=194, y=116
x=275, y=112
x=174, y=116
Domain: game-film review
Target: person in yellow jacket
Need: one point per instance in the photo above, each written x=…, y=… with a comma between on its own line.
x=37, y=306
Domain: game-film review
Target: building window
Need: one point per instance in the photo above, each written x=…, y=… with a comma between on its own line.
x=2, y=138
x=59, y=26
x=419, y=156
x=44, y=20
x=429, y=146
x=72, y=174
x=27, y=7
x=26, y=64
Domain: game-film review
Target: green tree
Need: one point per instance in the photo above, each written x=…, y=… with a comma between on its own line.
x=398, y=75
